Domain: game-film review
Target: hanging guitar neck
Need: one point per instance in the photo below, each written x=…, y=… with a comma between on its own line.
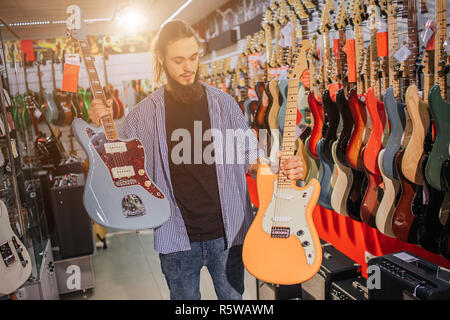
x=440, y=55
x=97, y=91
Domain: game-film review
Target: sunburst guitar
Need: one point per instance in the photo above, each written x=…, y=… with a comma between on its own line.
x=282, y=245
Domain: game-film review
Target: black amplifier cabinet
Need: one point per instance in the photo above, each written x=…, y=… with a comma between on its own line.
x=72, y=223
x=335, y=266
x=268, y=291
x=349, y=289
x=404, y=276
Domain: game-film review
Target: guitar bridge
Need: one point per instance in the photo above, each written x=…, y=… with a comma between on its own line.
x=280, y=232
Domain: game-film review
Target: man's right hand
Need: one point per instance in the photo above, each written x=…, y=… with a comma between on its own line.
x=98, y=110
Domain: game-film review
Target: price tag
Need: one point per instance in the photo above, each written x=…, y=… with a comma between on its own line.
x=402, y=54
x=71, y=73
x=349, y=50
x=382, y=44
x=428, y=34
x=37, y=113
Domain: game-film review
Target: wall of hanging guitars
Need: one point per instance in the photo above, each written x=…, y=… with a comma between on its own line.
x=373, y=107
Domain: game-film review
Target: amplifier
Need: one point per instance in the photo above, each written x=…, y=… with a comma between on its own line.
x=335, y=266
x=71, y=222
x=268, y=291
x=349, y=289
x=404, y=276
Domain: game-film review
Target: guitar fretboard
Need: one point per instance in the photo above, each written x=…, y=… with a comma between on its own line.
x=290, y=123
x=413, y=40
x=374, y=79
x=393, y=48
x=441, y=34
x=97, y=91
x=359, y=48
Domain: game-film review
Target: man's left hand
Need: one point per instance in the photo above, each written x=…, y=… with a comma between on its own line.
x=292, y=167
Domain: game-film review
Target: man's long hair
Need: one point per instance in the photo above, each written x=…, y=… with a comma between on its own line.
x=170, y=32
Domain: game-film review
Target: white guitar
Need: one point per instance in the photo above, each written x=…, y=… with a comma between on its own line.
x=15, y=264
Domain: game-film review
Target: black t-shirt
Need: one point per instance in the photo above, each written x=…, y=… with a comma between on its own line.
x=194, y=182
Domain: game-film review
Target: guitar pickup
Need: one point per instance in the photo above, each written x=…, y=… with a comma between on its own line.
x=123, y=172
x=7, y=254
x=280, y=232
x=115, y=147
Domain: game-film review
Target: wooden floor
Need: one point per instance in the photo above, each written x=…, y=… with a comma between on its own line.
x=129, y=269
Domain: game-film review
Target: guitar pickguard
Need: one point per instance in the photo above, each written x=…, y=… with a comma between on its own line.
x=133, y=159
x=291, y=203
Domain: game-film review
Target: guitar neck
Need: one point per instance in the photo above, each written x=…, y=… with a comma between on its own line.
x=359, y=48
x=428, y=74
x=288, y=144
x=342, y=62
x=413, y=40
x=394, y=80
x=97, y=91
x=374, y=78
x=326, y=58
x=441, y=34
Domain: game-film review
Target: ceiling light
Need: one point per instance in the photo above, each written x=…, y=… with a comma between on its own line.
x=177, y=12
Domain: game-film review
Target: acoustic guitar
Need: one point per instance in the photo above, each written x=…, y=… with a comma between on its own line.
x=15, y=267
x=118, y=193
x=282, y=245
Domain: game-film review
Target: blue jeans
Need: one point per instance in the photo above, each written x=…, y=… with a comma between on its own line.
x=182, y=270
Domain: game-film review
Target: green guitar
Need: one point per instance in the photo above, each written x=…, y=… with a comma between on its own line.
x=440, y=110
x=86, y=98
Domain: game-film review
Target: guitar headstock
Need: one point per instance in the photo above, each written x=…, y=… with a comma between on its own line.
x=299, y=65
x=76, y=27
x=342, y=19
x=248, y=45
x=299, y=10
x=283, y=13
x=267, y=20
x=358, y=12
x=374, y=11
x=325, y=23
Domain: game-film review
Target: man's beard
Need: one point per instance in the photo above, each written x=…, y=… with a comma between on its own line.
x=185, y=93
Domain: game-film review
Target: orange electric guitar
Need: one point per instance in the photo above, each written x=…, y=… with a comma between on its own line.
x=282, y=245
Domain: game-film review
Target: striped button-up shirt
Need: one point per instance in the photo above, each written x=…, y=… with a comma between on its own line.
x=147, y=123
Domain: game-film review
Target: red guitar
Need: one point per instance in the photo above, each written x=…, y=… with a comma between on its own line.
x=373, y=147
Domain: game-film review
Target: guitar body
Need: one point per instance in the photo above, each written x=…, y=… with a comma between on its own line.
x=412, y=158
x=397, y=118
x=114, y=200
x=386, y=209
x=313, y=163
x=427, y=209
x=344, y=172
x=316, y=134
x=15, y=264
x=250, y=107
x=341, y=190
x=283, y=90
x=263, y=103
x=17, y=112
x=283, y=249
x=325, y=176
x=404, y=224
x=372, y=149
x=440, y=111
x=355, y=143
x=119, y=103
x=51, y=112
x=86, y=97
x=330, y=127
